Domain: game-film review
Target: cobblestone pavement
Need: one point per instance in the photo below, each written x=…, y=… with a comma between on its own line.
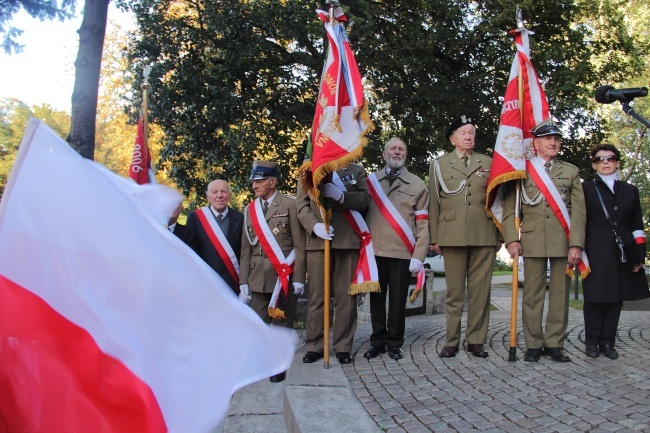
x=423, y=393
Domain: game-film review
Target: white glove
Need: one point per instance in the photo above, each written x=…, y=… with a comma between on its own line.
x=298, y=288
x=415, y=265
x=244, y=294
x=320, y=231
x=330, y=190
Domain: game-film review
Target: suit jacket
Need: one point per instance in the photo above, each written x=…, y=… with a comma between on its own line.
x=609, y=280
x=355, y=198
x=186, y=235
x=408, y=194
x=256, y=268
x=460, y=219
x=206, y=250
x=541, y=232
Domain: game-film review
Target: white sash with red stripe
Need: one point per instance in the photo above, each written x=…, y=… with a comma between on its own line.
x=366, y=275
x=283, y=265
x=535, y=168
x=395, y=220
x=219, y=241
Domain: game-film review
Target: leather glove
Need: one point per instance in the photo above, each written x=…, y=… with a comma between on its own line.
x=415, y=265
x=298, y=288
x=330, y=190
x=319, y=230
x=244, y=294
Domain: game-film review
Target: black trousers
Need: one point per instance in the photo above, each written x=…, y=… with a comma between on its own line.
x=601, y=322
x=394, y=280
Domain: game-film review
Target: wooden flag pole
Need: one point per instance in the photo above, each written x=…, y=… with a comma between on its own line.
x=512, y=353
x=145, y=86
x=327, y=282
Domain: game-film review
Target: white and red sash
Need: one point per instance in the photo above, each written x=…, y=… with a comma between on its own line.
x=283, y=265
x=219, y=241
x=538, y=174
x=395, y=220
x=366, y=275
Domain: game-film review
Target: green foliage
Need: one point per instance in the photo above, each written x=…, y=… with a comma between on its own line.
x=14, y=116
x=237, y=80
x=41, y=9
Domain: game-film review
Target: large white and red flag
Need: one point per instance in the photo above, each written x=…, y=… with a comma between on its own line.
x=341, y=120
x=141, y=169
x=524, y=106
x=108, y=322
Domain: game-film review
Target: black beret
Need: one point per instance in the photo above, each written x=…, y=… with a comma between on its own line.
x=547, y=127
x=461, y=120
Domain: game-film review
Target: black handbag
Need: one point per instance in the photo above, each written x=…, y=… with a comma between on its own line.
x=628, y=250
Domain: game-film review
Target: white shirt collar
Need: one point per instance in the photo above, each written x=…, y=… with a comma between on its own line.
x=216, y=212
x=609, y=179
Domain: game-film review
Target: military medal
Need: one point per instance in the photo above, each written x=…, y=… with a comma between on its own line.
x=276, y=230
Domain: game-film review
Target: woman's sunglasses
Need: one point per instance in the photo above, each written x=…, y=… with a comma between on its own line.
x=601, y=159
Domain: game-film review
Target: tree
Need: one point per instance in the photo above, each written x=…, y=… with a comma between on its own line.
x=14, y=116
x=41, y=9
x=236, y=80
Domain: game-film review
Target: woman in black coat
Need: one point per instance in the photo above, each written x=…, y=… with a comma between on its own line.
x=610, y=282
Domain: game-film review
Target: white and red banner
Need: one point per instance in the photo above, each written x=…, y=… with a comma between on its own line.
x=140, y=169
x=108, y=322
x=524, y=106
x=341, y=119
x=218, y=239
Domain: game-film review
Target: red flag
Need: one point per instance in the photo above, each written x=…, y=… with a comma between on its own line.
x=341, y=119
x=141, y=161
x=108, y=322
x=524, y=106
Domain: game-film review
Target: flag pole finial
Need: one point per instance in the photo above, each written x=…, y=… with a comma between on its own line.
x=519, y=18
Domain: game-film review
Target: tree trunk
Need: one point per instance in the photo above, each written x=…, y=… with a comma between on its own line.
x=86, y=84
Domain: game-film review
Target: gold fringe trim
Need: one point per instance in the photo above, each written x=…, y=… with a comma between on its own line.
x=366, y=287
x=583, y=274
x=503, y=178
x=276, y=313
x=415, y=295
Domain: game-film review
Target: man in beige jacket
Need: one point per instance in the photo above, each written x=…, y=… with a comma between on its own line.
x=398, y=222
x=543, y=240
x=278, y=226
x=464, y=234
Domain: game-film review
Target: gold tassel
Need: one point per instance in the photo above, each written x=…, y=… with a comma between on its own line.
x=276, y=313
x=366, y=287
x=506, y=177
x=415, y=295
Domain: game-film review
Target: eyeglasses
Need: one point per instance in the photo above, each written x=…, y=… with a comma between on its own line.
x=601, y=159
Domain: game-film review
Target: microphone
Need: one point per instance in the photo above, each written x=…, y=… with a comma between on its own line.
x=608, y=94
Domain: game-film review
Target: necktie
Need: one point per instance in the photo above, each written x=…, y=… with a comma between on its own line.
x=219, y=217
x=465, y=161
x=392, y=175
x=265, y=206
x=547, y=166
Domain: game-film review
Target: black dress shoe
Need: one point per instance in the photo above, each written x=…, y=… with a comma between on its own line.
x=532, y=355
x=609, y=351
x=477, y=350
x=311, y=357
x=344, y=357
x=556, y=354
x=278, y=377
x=591, y=351
x=395, y=353
x=373, y=352
x=448, y=351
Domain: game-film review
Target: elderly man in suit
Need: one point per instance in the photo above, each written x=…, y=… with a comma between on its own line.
x=218, y=229
x=344, y=258
x=544, y=239
x=398, y=219
x=273, y=251
x=181, y=232
x=464, y=234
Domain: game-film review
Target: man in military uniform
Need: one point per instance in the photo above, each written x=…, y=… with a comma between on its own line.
x=270, y=229
x=398, y=222
x=543, y=239
x=344, y=258
x=464, y=234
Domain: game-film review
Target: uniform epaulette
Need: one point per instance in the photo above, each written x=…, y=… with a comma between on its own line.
x=566, y=163
x=290, y=196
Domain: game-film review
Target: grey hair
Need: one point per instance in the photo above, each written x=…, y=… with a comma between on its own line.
x=393, y=140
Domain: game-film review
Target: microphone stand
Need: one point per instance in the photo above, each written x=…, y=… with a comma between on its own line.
x=630, y=111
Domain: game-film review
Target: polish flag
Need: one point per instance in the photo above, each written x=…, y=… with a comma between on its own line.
x=108, y=322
